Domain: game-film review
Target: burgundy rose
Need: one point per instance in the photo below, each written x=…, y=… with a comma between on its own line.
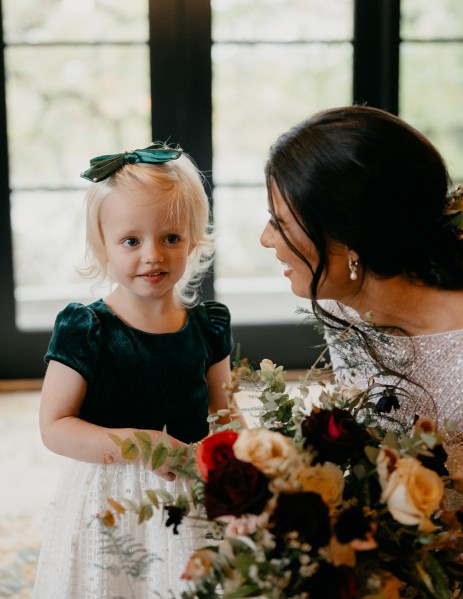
x=330, y=582
x=351, y=525
x=214, y=451
x=304, y=513
x=235, y=488
x=334, y=435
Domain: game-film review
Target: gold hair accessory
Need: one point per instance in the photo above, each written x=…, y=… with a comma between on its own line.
x=453, y=209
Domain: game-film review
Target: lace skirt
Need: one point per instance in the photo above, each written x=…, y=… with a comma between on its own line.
x=81, y=558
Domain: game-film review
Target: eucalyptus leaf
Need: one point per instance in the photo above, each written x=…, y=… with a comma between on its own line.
x=145, y=512
x=129, y=450
x=159, y=456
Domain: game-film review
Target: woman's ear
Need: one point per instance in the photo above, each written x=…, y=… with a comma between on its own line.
x=352, y=264
x=352, y=255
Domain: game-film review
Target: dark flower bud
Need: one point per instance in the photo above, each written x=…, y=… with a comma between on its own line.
x=387, y=402
x=175, y=517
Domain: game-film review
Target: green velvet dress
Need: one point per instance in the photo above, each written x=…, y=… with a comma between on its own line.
x=141, y=380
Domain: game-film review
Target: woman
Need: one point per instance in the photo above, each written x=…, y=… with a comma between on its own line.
x=361, y=214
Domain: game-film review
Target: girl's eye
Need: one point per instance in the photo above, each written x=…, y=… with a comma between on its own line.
x=131, y=242
x=172, y=238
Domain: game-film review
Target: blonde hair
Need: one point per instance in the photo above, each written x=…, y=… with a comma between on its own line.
x=177, y=182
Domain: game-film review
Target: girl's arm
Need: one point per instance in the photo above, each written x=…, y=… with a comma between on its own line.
x=218, y=375
x=62, y=430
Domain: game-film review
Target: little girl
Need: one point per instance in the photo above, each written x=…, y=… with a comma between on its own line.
x=146, y=356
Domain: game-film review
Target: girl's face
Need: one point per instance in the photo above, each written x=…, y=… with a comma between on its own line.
x=146, y=249
x=335, y=282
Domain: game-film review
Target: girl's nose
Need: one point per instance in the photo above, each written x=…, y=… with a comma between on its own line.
x=266, y=239
x=152, y=254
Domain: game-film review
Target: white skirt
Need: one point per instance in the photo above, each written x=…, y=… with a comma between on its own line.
x=81, y=558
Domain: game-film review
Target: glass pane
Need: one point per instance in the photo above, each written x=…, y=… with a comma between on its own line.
x=68, y=104
x=428, y=19
x=75, y=20
x=259, y=91
x=248, y=278
x=287, y=20
x=431, y=97
x=49, y=248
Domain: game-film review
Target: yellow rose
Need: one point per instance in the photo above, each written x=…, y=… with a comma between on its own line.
x=268, y=451
x=413, y=493
x=325, y=479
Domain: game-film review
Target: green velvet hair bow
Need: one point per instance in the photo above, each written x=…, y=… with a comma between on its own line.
x=102, y=167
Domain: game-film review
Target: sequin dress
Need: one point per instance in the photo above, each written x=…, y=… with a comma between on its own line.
x=140, y=380
x=433, y=361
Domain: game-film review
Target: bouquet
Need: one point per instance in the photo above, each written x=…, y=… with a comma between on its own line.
x=323, y=499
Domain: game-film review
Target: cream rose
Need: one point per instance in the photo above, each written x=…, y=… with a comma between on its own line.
x=413, y=493
x=268, y=451
x=325, y=479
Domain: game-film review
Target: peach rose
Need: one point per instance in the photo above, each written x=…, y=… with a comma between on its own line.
x=325, y=479
x=268, y=451
x=200, y=564
x=413, y=493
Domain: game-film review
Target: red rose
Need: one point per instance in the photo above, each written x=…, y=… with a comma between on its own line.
x=235, y=488
x=215, y=451
x=335, y=435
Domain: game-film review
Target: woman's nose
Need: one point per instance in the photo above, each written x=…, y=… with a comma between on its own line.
x=266, y=239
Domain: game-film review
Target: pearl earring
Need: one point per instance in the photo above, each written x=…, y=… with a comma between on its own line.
x=353, y=264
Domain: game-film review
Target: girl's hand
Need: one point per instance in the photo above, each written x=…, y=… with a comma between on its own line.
x=166, y=471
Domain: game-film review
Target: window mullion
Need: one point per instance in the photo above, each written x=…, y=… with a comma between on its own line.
x=376, y=53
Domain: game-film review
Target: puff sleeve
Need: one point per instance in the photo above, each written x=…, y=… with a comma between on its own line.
x=75, y=341
x=220, y=335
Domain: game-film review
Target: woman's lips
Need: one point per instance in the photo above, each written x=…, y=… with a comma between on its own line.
x=287, y=268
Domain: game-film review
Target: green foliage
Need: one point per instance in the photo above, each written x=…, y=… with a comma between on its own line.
x=131, y=558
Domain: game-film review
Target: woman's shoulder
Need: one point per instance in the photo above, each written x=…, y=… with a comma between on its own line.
x=339, y=310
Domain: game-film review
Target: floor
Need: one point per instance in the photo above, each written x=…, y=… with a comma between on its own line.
x=28, y=477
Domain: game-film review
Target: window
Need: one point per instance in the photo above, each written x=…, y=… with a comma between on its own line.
x=265, y=79
x=431, y=63
x=77, y=83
